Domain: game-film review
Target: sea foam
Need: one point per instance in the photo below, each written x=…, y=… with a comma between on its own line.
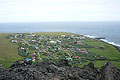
x=104, y=40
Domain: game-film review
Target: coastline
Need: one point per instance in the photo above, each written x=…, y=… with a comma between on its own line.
x=106, y=41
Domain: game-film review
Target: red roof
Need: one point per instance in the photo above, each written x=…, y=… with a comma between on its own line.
x=79, y=42
x=77, y=57
x=33, y=57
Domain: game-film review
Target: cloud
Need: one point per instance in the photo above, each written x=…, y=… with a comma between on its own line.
x=59, y=10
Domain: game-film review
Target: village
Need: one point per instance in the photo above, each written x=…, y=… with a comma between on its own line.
x=35, y=47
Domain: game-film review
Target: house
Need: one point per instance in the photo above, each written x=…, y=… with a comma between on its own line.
x=72, y=35
x=21, y=48
x=83, y=51
x=27, y=59
x=46, y=48
x=33, y=54
x=14, y=41
x=42, y=50
x=62, y=35
x=34, y=41
x=77, y=57
x=79, y=42
x=58, y=41
x=69, y=59
x=21, y=61
x=33, y=59
x=78, y=49
x=52, y=42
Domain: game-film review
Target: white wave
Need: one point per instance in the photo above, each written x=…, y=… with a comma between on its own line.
x=104, y=40
x=112, y=43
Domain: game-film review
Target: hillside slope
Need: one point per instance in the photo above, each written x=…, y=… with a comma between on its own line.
x=8, y=51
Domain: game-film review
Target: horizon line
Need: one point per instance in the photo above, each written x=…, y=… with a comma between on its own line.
x=55, y=21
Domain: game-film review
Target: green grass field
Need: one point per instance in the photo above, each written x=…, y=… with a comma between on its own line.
x=109, y=51
x=9, y=51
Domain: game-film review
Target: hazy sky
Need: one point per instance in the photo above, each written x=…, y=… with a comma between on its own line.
x=59, y=10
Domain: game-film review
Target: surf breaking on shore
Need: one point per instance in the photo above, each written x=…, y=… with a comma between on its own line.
x=104, y=40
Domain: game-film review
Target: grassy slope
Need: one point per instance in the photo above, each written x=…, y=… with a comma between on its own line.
x=8, y=51
x=109, y=51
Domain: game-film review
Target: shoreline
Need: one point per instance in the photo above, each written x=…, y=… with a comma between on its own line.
x=106, y=41
x=112, y=43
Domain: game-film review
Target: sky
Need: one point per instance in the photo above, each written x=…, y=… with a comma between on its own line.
x=59, y=10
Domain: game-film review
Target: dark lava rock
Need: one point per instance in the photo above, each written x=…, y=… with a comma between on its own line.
x=110, y=72
x=118, y=48
x=58, y=71
x=64, y=63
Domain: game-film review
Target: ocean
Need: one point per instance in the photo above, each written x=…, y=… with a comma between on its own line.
x=109, y=30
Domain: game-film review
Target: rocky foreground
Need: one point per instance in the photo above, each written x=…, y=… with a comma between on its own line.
x=59, y=71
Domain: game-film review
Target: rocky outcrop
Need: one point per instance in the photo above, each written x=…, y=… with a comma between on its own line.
x=58, y=71
x=110, y=72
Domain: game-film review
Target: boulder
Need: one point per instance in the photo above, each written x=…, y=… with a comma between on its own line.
x=110, y=72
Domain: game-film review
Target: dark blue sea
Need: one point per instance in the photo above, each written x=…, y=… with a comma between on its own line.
x=109, y=30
